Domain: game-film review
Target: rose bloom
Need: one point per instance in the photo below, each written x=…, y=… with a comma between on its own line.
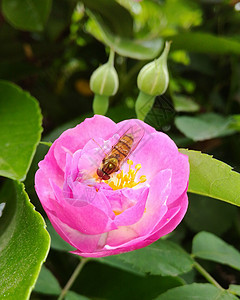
x=142, y=201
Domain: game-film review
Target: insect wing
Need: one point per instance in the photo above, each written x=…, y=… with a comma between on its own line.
x=136, y=133
x=86, y=196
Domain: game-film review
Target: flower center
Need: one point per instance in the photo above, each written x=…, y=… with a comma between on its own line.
x=126, y=180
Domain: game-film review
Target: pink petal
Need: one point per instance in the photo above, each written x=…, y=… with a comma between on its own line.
x=43, y=186
x=160, y=153
x=169, y=223
x=123, y=126
x=83, y=242
x=48, y=168
x=76, y=138
x=116, y=199
x=122, y=235
x=91, y=158
x=133, y=214
x=81, y=209
x=156, y=208
x=88, y=195
x=88, y=219
x=172, y=219
x=71, y=169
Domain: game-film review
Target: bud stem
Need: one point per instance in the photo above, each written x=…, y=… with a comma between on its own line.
x=143, y=105
x=100, y=104
x=165, y=52
x=111, y=57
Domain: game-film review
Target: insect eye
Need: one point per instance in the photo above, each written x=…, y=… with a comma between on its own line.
x=105, y=177
x=100, y=173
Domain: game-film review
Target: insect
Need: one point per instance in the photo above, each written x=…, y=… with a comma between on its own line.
x=120, y=151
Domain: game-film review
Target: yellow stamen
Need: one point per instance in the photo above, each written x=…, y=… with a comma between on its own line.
x=143, y=178
x=138, y=167
x=117, y=212
x=126, y=180
x=130, y=162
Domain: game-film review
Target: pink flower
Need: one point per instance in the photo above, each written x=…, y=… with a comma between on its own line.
x=144, y=200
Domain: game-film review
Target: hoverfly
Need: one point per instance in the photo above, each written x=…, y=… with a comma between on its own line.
x=120, y=151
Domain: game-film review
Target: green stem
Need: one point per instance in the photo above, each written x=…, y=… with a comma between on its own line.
x=143, y=105
x=100, y=104
x=165, y=52
x=111, y=57
x=73, y=278
x=132, y=72
x=205, y=274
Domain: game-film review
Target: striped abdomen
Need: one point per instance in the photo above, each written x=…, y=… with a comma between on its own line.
x=122, y=148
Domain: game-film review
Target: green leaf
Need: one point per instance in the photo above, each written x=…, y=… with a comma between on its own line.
x=118, y=285
x=161, y=114
x=117, y=262
x=206, y=214
x=138, y=49
x=184, y=103
x=235, y=122
x=204, y=43
x=204, y=127
x=24, y=243
x=20, y=130
x=161, y=258
x=181, y=14
x=196, y=291
x=47, y=283
x=212, y=178
x=235, y=289
x=112, y=15
x=30, y=15
x=208, y=246
x=74, y=296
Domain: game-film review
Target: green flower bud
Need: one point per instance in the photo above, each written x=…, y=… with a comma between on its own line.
x=153, y=78
x=104, y=80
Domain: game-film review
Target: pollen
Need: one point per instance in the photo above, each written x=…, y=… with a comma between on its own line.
x=117, y=212
x=127, y=180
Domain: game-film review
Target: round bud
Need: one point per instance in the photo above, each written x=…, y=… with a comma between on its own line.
x=153, y=78
x=104, y=80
